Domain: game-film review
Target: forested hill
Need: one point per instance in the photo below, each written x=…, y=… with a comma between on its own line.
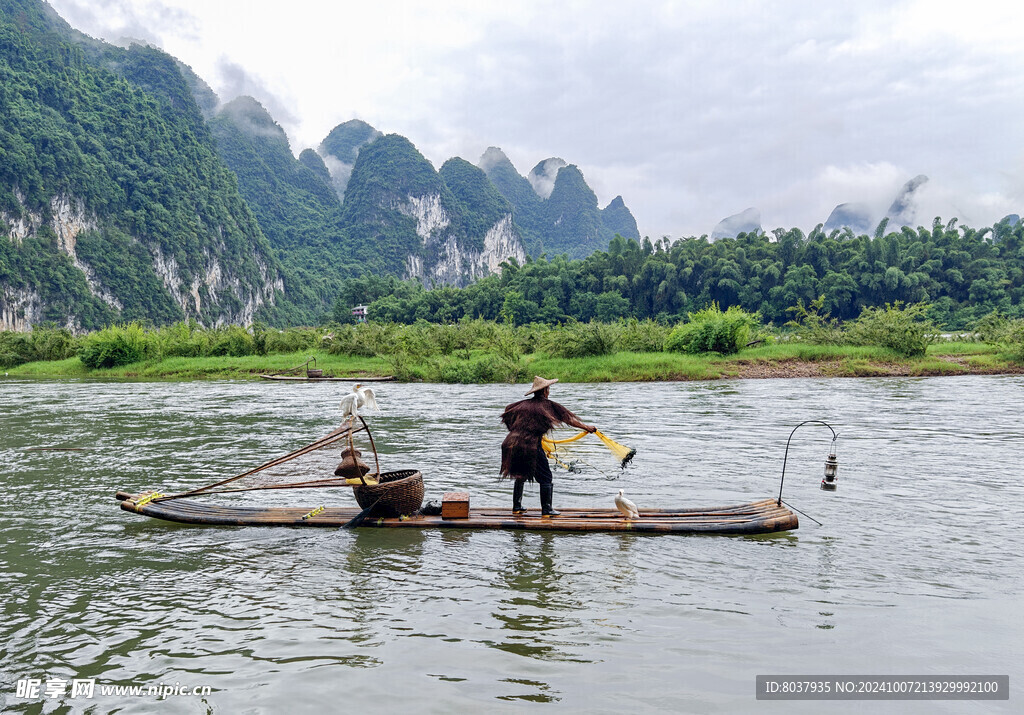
x=114, y=203
x=293, y=200
x=962, y=273
x=403, y=218
x=566, y=218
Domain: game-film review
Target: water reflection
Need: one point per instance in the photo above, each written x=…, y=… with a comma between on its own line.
x=538, y=601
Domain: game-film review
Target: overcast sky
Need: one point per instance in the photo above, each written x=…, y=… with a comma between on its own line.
x=692, y=111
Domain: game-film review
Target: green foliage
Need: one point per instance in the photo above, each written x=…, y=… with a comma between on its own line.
x=114, y=346
x=508, y=354
x=576, y=340
x=1008, y=333
x=45, y=342
x=292, y=340
x=572, y=222
x=527, y=206
x=181, y=340
x=259, y=337
x=296, y=208
x=811, y=325
x=479, y=202
x=713, y=330
x=642, y=336
x=902, y=329
x=360, y=340
x=1013, y=340
x=387, y=172
x=232, y=340
x=312, y=161
x=15, y=348
x=841, y=274
x=116, y=136
x=517, y=310
x=992, y=328
x=52, y=343
x=344, y=141
x=568, y=221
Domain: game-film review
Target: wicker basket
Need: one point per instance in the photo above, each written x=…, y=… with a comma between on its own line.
x=396, y=493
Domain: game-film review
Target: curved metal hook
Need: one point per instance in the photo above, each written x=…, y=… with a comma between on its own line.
x=835, y=436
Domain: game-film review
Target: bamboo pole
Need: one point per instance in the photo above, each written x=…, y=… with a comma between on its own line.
x=340, y=433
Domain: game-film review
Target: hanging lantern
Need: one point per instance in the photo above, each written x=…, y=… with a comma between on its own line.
x=828, y=483
x=831, y=463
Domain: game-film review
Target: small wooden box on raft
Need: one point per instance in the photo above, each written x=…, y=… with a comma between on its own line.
x=455, y=505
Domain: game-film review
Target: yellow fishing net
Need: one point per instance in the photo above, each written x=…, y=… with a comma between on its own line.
x=573, y=452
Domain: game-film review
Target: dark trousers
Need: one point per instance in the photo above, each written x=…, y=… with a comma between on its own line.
x=542, y=470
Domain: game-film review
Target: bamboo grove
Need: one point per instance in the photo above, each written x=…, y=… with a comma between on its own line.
x=962, y=274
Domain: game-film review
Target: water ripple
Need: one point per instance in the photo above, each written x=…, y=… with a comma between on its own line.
x=918, y=547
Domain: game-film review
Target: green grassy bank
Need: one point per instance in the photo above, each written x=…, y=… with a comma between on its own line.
x=778, y=360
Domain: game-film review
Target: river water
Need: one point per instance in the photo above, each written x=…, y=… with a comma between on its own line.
x=916, y=568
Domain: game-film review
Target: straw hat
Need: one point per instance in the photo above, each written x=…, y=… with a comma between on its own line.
x=539, y=383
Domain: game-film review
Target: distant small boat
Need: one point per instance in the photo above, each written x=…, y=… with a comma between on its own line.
x=324, y=378
x=758, y=517
x=315, y=374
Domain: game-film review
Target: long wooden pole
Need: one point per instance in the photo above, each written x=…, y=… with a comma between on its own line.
x=340, y=433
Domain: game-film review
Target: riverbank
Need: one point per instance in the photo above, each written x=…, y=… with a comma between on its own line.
x=772, y=361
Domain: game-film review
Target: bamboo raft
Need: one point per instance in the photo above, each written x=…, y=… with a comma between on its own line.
x=758, y=517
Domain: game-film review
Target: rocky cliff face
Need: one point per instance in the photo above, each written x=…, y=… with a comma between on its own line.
x=114, y=204
x=216, y=290
x=450, y=263
x=20, y=308
x=215, y=295
x=443, y=228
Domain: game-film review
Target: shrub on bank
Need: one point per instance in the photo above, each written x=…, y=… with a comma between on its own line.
x=713, y=330
x=998, y=329
x=902, y=329
x=642, y=336
x=181, y=340
x=45, y=342
x=291, y=340
x=16, y=348
x=233, y=341
x=813, y=326
x=1013, y=340
x=576, y=340
x=114, y=346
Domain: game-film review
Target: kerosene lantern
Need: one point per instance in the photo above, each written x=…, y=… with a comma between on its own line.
x=828, y=483
x=831, y=463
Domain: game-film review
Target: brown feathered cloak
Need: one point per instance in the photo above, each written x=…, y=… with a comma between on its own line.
x=527, y=421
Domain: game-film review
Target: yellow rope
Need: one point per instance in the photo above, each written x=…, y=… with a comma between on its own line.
x=148, y=498
x=313, y=513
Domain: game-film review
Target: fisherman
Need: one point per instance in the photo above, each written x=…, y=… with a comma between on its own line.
x=522, y=457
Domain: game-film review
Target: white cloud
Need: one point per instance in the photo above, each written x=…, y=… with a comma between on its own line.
x=702, y=108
